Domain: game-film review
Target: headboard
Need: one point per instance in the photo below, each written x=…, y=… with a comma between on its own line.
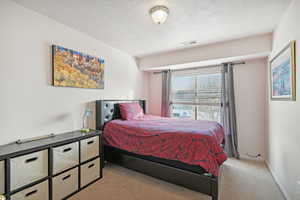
x=107, y=110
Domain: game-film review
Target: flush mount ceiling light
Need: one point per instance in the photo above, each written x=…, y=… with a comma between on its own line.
x=159, y=14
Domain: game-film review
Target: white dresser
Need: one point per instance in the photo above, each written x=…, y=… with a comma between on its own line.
x=35, y=164
x=65, y=184
x=50, y=169
x=37, y=192
x=65, y=157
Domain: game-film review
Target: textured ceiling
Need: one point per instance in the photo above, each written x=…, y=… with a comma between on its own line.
x=126, y=24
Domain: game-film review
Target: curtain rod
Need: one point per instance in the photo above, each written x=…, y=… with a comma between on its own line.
x=204, y=67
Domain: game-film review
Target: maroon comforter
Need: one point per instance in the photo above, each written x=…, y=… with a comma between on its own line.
x=189, y=141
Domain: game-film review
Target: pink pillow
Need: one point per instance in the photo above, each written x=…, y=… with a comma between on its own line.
x=131, y=111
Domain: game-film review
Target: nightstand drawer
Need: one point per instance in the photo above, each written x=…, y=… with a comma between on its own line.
x=2, y=177
x=89, y=148
x=28, y=168
x=36, y=192
x=65, y=157
x=90, y=172
x=65, y=184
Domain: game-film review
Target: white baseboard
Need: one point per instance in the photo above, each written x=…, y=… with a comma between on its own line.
x=280, y=186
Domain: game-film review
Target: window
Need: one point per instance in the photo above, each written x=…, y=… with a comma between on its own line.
x=196, y=95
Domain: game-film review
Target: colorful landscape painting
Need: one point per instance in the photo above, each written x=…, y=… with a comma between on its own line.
x=75, y=69
x=283, y=74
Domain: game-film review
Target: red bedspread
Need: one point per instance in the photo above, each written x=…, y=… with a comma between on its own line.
x=189, y=141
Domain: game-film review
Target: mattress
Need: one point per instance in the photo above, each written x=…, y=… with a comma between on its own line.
x=188, y=141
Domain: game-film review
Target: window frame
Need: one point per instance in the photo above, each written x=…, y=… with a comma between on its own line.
x=195, y=105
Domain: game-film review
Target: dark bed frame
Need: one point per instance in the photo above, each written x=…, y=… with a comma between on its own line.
x=192, y=177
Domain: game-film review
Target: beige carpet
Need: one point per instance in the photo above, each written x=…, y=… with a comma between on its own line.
x=240, y=180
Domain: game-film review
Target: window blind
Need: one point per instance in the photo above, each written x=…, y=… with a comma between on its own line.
x=196, y=94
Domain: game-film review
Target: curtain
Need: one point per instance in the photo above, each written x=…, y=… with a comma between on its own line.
x=166, y=91
x=228, y=114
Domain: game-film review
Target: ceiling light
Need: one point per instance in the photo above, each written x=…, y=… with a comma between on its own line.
x=159, y=14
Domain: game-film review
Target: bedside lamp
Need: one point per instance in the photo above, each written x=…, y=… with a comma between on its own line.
x=86, y=115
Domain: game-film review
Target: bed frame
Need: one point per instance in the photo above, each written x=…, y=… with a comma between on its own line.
x=107, y=110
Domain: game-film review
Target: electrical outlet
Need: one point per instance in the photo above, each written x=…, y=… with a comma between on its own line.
x=298, y=182
x=254, y=156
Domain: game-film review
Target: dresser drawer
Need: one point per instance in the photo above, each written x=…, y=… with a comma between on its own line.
x=2, y=177
x=90, y=172
x=65, y=157
x=36, y=192
x=89, y=148
x=28, y=168
x=65, y=184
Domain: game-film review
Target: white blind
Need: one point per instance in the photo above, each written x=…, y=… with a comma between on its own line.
x=196, y=87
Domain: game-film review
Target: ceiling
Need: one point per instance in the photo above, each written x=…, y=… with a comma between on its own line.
x=126, y=24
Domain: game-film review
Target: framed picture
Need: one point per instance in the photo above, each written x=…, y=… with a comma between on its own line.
x=283, y=74
x=74, y=69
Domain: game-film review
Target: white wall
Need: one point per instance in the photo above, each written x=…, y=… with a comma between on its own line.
x=250, y=82
x=284, y=130
x=218, y=52
x=154, y=93
x=29, y=105
x=250, y=92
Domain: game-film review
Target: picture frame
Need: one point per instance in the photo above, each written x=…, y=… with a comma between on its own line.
x=74, y=69
x=283, y=74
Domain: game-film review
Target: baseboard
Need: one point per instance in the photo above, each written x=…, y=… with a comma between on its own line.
x=280, y=186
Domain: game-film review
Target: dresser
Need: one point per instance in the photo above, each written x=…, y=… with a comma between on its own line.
x=50, y=169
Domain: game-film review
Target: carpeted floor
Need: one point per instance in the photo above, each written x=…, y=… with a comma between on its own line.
x=240, y=180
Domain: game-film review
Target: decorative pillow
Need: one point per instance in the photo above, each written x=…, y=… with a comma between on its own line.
x=131, y=111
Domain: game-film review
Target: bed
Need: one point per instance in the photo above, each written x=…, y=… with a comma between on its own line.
x=168, y=149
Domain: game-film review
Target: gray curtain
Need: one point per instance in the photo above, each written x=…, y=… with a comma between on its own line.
x=166, y=89
x=229, y=112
